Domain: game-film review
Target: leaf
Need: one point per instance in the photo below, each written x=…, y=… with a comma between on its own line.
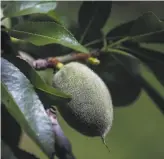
x=154, y=37
x=153, y=89
x=20, y=8
x=12, y=139
x=51, y=16
x=6, y=151
x=43, y=33
x=155, y=92
x=158, y=72
x=123, y=87
x=146, y=23
x=152, y=58
x=6, y=44
x=37, y=81
x=22, y=154
x=154, y=46
x=92, y=17
x=144, y=54
x=24, y=105
x=9, y=153
x=121, y=30
x=41, y=18
x=146, y=28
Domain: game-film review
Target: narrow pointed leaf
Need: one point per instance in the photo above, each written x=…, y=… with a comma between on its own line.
x=24, y=105
x=154, y=37
x=144, y=53
x=43, y=33
x=146, y=28
x=20, y=8
x=146, y=23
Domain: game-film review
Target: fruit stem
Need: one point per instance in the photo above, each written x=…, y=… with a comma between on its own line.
x=104, y=142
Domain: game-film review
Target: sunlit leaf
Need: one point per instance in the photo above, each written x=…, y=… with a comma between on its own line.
x=19, y=8
x=24, y=105
x=51, y=16
x=42, y=33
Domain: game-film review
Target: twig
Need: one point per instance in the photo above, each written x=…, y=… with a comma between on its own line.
x=52, y=62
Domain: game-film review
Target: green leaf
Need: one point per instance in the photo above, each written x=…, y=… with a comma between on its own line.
x=156, y=69
x=42, y=33
x=47, y=75
x=24, y=105
x=37, y=81
x=154, y=37
x=92, y=17
x=121, y=84
x=51, y=16
x=13, y=139
x=146, y=28
x=154, y=46
x=144, y=54
x=20, y=8
x=121, y=29
x=152, y=58
x=154, y=90
x=6, y=151
x=146, y=23
x=6, y=44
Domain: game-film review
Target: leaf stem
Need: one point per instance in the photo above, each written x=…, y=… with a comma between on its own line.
x=118, y=52
x=100, y=40
x=119, y=42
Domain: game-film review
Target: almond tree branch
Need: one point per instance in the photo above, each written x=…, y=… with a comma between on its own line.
x=52, y=62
